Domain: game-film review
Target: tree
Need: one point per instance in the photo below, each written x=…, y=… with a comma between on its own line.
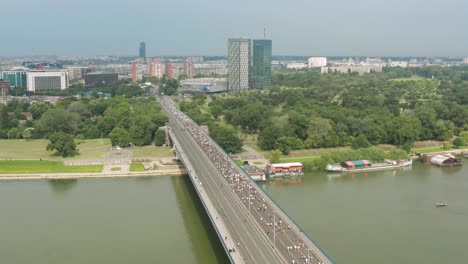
x=79, y=108
x=403, y=130
x=458, y=142
x=14, y=133
x=283, y=145
x=141, y=130
x=318, y=130
x=160, y=137
x=227, y=138
x=119, y=137
x=63, y=143
x=4, y=118
x=464, y=135
x=268, y=137
x=443, y=129
x=275, y=156
x=27, y=133
x=446, y=145
x=360, y=142
x=38, y=109
x=58, y=120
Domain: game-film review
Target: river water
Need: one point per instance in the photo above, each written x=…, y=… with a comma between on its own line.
x=375, y=217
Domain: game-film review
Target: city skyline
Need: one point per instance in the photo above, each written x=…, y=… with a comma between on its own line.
x=332, y=28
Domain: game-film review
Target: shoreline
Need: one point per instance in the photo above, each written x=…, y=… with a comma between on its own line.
x=92, y=175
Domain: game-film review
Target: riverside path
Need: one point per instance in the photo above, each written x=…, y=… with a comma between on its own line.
x=250, y=225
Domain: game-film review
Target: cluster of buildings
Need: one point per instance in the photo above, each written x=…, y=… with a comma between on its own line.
x=36, y=80
x=246, y=71
x=248, y=66
x=366, y=65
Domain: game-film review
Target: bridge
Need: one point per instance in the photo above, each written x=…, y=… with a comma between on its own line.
x=250, y=225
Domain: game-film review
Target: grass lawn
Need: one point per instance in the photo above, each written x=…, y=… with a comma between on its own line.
x=299, y=159
x=44, y=166
x=92, y=148
x=137, y=166
x=152, y=152
x=115, y=169
x=427, y=150
x=435, y=149
x=22, y=149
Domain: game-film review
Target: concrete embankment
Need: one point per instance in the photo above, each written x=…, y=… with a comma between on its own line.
x=51, y=176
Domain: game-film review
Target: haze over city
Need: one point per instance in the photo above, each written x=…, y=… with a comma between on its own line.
x=183, y=27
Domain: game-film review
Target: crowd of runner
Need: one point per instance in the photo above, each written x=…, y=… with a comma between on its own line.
x=243, y=186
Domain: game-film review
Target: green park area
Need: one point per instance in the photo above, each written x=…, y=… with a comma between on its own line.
x=21, y=149
x=152, y=152
x=43, y=166
x=88, y=149
x=137, y=166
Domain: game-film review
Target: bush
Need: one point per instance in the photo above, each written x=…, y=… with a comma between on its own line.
x=446, y=145
x=275, y=156
x=159, y=137
x=396, y=154
x=458, y=142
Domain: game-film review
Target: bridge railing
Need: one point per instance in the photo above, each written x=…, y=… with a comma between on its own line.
x=240, y=169
x=190, y=170
x=271, y=198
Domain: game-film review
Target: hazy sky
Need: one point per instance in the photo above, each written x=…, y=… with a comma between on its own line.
x=202, y=27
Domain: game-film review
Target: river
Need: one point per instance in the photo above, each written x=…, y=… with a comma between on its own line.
x=375, y=217
x=383, y=217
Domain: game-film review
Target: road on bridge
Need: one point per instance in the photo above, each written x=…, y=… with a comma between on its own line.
x=262, y=232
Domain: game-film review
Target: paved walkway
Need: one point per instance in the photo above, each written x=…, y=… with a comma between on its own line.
x=253, y=157
x=113, y=174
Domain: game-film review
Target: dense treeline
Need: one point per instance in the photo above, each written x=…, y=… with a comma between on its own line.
x=124, y=120
x=226, y=136
x=123, y=88
x=311, y=110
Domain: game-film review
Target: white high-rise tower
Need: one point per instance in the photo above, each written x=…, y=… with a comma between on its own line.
x=238, y=64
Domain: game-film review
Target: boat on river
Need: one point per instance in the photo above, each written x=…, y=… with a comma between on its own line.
x=364, y=165
x=440, y=204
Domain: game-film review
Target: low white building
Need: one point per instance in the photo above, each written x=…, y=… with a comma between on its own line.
x=360, y=69
x=296, y=65
x=402, y=64
x=315, y=62
x=46, y=80
x=75, y=72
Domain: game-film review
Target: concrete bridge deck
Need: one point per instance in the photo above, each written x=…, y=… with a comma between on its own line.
x=250, y=225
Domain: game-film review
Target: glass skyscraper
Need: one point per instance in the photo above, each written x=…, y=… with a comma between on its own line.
x=16, y=78
x=261, y=69
x=143, y=51
x=238, y=64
